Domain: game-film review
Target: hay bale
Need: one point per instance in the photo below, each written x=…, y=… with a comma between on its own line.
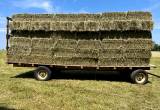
x=137, y=53
x=89, y=44
x=139, y=15
x=75, y=61
x=19, y=50
x=66, y=43
x=30, y=59
x=114, y=16
x=113, y=43
x=42, y=42
x=40, y=59
x=129, y=62
x=138, y=44
x=41, y=51
x=111, y=53
x=87, y=53
x=63, y=52
x=77, y=26
x=20, y=41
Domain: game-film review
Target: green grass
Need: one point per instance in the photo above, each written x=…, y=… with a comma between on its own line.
x=18, y=90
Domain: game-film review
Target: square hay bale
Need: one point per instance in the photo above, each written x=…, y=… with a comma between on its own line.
x=87, y=53
x=66, y=43
x=114, y=16
x=137, y=53
x=30, y=59
x=19, y=50
x=41, y=59
x=111, y=62
x=75, y=61
x=20, y=41
x=91, y=26
x=138, y=44
x=77, y=26
x=107, y=25
x=56, y=26
x=39, y=25
x=41, y=51
x=63, y=52
x=113, y=43
x=111, y=53
x=17, y=58
x=139, y=15
x=89, y=44
x=42, y=42
x=123, y=62
x=136, y=62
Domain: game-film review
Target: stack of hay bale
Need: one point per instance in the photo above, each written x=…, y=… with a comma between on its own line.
x=107, y=39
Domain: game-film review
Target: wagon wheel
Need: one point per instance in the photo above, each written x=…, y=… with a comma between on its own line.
x=42, y=73
x=139, y=76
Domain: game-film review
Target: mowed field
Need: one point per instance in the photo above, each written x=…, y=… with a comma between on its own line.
x=76, y=90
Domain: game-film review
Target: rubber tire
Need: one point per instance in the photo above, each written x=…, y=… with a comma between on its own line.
x=44, y=68
x=135, y=73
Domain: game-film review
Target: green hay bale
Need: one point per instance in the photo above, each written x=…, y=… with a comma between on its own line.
x=64, y=52
x=41, y=59
x=87, y=53
x=137, y=53
x=130, y=62
x=89, y=44
x=66, y=43
x=138, y=44
x=139, y=15
x=41, y=51
x=77, y=26
x=20, y=41
x=30, y=59
x=75, y=61
x=114, y=16
x=19, y=50
x=111, y=53
x=42, y=42
x=40, y=25
x=91, y=26
x=113, y=43
x=111, y=62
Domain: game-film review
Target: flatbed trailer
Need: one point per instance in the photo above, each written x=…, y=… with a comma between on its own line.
x=43, y=72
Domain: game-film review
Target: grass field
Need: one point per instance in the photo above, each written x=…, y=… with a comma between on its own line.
x=76, y=90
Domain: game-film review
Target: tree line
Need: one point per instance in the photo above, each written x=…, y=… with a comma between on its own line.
x=156, y=47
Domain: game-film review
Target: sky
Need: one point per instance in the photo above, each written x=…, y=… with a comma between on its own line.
x=10, y=7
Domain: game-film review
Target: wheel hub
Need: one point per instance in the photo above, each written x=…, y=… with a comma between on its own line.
x=140, y=77
x=42, y=74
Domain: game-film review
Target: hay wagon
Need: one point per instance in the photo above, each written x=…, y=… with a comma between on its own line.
x=118, y=41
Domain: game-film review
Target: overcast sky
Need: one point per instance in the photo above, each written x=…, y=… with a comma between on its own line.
x=10, y=7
